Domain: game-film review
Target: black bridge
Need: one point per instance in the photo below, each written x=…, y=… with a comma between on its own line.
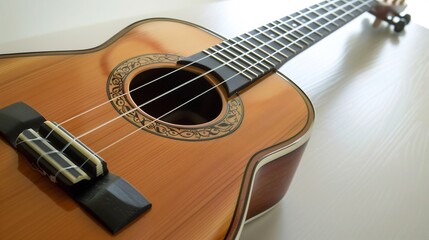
x=83, y=174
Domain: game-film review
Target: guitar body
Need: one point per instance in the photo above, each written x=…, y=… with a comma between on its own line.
x=204, y=181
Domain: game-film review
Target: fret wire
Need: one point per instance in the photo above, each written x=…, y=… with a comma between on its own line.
x=299, y=45
x=354, y=5
x=262, y=50
x=366, y=4
x=281, y=44
x=305, y=18
x=221, y=83
x=269, y=37
x=342, y=12
x=305, y=26
x=242, y=59
x=308, y=27
x=331, y=12
x=264, y=45
x=229, y=65
x=313, y=14
x=299, y=31
x=322, y=21
x=328, y=19
x=269, y=46
x=254, y=53
x=276, y=51
x=315, y=21
x=238, y=50
x=233, y=61
x=304, y=11
x=349, y=13
x=244, y=46
x=285, y=35
x=318, y=7
x=322, y=11
x=313, y=30
x=316, y=24
x=358, y=11
x=309, y=9
x=316, y=32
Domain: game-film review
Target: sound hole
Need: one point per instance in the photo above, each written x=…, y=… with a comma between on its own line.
x=201, y=110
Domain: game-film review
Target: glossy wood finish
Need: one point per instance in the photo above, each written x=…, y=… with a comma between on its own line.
x=272, y=182
x=195, y=187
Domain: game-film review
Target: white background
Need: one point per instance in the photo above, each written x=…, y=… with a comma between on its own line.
x=365, y=173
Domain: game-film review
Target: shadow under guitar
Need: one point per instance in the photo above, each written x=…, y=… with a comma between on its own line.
x=60, y=198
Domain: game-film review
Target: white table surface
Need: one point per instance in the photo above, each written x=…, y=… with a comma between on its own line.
x=365, y=173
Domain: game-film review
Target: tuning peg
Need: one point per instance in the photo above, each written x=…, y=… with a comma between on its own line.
x=388, y=10
x=399, y=26
x=399, y=22
x=406, y=18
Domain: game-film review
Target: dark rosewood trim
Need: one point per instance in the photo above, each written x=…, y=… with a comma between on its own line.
x=272, y=181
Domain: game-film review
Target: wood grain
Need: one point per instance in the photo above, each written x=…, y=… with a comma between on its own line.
x=195, y=187
x=272, y=182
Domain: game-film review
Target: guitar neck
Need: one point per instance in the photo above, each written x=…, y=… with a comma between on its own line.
x=241, y=60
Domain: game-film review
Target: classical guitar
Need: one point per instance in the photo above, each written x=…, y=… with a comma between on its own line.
x=148, y=137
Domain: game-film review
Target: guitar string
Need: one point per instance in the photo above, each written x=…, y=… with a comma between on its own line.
x=238, y=57
x=174, y=109
x=320, y=16
x=320, y=6
x=185, y=66
x=205, y=73
x=365, y=2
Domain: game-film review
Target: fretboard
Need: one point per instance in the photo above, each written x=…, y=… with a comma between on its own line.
x=242, y=60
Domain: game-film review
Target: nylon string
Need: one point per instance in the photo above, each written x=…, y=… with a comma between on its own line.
x=364, y=2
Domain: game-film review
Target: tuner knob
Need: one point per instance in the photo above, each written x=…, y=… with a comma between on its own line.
x=406, y=18
x=399, y=26
x=389, y=11
x=400, y=23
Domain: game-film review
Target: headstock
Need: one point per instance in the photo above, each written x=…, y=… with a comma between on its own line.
x=389, y=11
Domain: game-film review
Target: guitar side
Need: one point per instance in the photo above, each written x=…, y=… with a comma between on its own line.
x=199, y=189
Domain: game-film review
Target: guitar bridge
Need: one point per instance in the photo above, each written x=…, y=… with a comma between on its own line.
x=83, y=174
x=58, y=154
